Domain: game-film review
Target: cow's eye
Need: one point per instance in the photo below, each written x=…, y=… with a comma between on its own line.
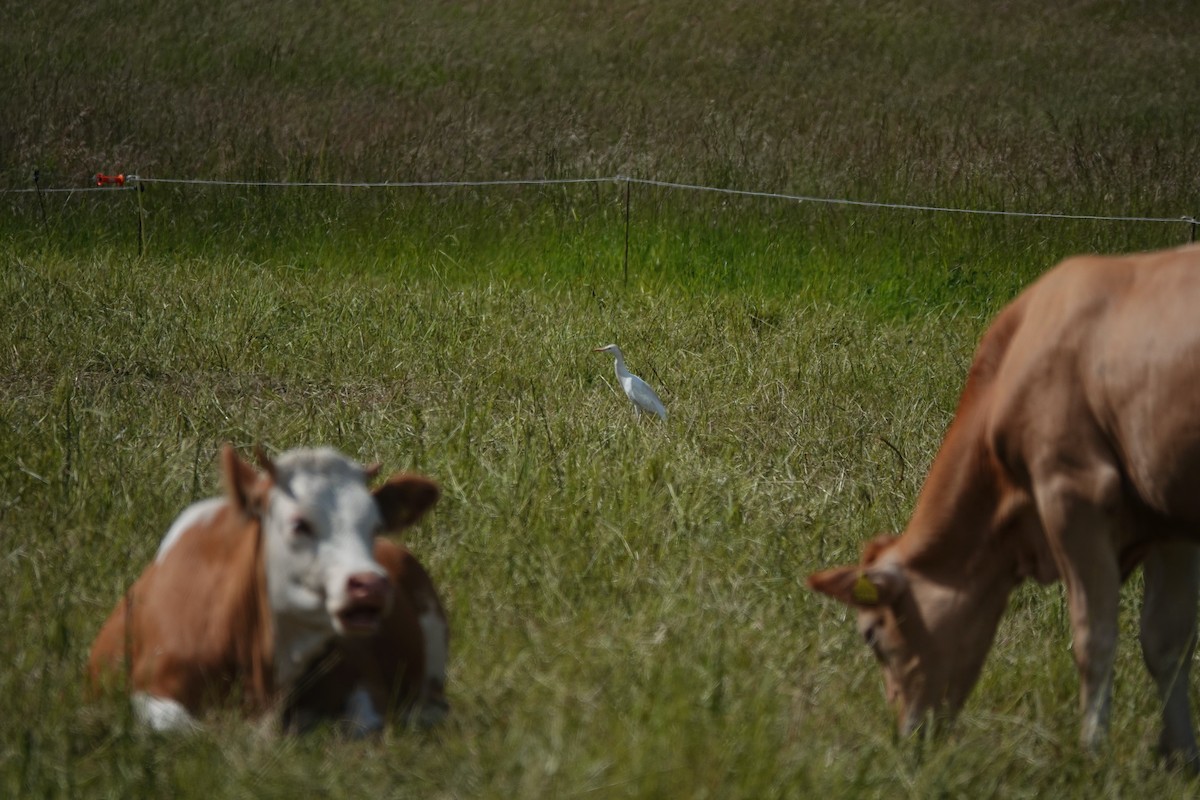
x=302, y=528
x=871, y=636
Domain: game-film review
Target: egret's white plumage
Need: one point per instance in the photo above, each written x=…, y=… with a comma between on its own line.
x=636, y=389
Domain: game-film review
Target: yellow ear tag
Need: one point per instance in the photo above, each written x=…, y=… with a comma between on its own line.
x=864, y=591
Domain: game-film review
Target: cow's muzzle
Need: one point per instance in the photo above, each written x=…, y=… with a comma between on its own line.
x=367, y=597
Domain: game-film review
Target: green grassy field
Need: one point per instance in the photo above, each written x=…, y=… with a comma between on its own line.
x=627, y=601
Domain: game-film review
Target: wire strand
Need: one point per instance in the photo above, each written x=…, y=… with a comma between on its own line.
x=898, y=206
x=68, y=189
x=373, y=184
x=132, y=182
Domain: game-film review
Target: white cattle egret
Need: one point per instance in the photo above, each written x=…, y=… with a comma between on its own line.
x=636, y=389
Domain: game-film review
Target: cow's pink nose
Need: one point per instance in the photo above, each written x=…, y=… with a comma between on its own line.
x=368, y=588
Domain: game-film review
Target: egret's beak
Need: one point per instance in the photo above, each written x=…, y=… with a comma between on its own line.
x=599, y=350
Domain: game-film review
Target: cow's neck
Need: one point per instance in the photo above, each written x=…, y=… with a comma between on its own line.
x=966, y=528
x=296, y=645
x=251, y=634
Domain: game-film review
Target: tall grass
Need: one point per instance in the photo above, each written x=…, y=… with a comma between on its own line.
x=627, y=599
x=1084, y=106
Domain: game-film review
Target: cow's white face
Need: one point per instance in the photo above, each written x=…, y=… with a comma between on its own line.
x=318, y=522
x=318, y=528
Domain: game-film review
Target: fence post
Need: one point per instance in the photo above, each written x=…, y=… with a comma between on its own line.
x=626, y=267
x=141, y=218
x=1192, y=223
x=37, y=174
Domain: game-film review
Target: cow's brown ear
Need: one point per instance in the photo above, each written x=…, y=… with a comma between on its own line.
x=404, y=499
x=245, y=486
x=860, y=587
x=264, y=461
x=873, y=549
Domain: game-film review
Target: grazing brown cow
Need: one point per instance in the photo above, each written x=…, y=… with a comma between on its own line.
x=1074, y=454
x=247, y=590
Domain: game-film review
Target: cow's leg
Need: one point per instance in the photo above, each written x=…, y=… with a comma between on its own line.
x=1082, y=535
x=1172, y=576
x=433, y=706
x=362, y=717
x=1093, y=590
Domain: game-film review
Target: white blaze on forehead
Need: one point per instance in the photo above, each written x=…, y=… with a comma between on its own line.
x=329, y=485
x=193, y=515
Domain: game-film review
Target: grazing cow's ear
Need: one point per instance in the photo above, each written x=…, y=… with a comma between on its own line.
x=404, y=499
x=861, y=587
x=873, y=549
x=247, y=488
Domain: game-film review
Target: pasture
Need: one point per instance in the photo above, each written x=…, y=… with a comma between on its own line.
x=626, y=600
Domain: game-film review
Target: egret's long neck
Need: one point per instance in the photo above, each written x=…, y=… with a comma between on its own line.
x=619, y=365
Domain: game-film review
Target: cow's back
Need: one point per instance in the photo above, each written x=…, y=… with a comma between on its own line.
x=1105, y=369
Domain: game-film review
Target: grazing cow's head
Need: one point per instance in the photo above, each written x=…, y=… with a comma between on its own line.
x=931, y=637
x=318, y=520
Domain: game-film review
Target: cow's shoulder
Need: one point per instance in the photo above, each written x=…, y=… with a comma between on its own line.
x=204, y=583
x=196, y=520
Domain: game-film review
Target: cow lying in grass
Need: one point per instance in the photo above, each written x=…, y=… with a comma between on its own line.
x=280, y=597
x=1075, y=455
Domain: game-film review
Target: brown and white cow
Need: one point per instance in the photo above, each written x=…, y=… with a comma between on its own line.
x=1074, y=454
x=249, y=590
